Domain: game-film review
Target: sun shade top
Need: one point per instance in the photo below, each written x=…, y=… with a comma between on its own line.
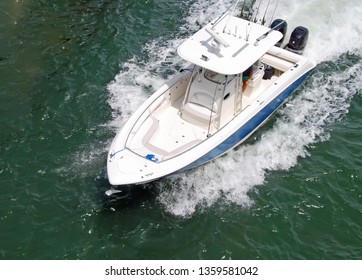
x=229, y=47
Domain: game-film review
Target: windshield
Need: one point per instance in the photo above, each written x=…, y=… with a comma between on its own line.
x=214, y=77
x=217, y=77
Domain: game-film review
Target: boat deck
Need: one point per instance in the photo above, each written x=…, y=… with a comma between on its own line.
x=166, y=134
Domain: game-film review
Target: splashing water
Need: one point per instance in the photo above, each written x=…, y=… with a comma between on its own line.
x=304, y=121
x=127, y=91
x=334, y=26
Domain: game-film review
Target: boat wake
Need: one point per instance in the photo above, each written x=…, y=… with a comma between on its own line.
x=305, y=120
x=302, y=123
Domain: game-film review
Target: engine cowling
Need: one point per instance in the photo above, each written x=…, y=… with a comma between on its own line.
x=298, y=40
x=281, y=26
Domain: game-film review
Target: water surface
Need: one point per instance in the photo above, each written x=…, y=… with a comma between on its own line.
x=71, y=74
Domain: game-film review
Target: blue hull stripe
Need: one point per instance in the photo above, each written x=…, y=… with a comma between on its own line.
x=250, y=126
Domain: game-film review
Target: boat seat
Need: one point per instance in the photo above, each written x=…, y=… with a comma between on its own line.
x=181, y=149
x=201, y=106
x=277, y=62
x=148, y=135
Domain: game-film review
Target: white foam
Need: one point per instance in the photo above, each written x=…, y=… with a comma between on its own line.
x=302, y=123
x=202, y=12
x=335, y=26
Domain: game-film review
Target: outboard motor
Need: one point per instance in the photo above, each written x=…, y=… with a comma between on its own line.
x=281, y=26
x=298, y=40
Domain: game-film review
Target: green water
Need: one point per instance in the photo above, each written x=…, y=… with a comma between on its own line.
x=72, y=71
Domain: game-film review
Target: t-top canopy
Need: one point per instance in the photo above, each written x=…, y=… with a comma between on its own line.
x=229, y=47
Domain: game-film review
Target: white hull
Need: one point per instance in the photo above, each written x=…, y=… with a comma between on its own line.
x=170, y=134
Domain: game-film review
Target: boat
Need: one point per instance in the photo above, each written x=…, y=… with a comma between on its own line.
x=238, y=74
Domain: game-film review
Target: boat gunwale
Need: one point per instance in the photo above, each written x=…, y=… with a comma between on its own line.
x=218, y=132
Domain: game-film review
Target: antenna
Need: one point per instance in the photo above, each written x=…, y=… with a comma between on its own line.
x=276, y=5
x=263, y=21
x=242, y=10
x=217, y=21
x=230, y=16
x=252, y=21
x=257, y=12
x=267, y=33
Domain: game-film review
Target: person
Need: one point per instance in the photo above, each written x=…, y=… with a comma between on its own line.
x=247, y=74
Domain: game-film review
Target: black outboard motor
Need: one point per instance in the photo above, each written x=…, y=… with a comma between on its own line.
x=298, y=40
x=281, y=26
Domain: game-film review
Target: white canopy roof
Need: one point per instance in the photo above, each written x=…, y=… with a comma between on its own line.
x=225, y=48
